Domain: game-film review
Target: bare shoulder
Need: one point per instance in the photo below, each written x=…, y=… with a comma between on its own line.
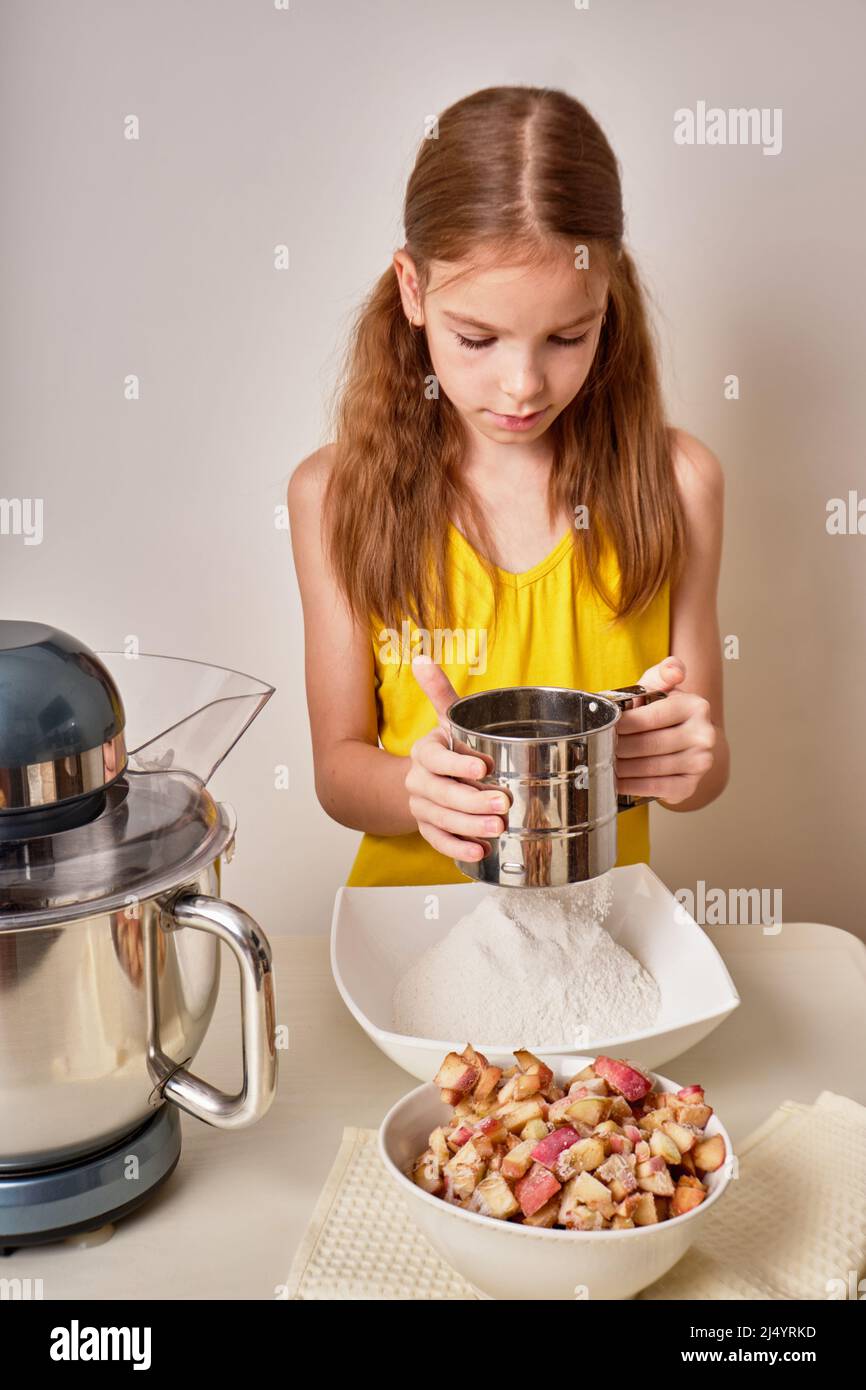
x=699, y=474
x=307, y=483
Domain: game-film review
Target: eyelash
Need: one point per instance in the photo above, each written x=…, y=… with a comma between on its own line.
x=476, y=344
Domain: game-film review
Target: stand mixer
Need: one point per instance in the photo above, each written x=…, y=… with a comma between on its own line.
x=111, y=922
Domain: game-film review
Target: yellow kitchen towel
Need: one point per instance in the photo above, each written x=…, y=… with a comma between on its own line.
x=791, y=1225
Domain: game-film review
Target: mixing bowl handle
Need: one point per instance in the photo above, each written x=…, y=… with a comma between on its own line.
x=632, y=697
x=250, y=946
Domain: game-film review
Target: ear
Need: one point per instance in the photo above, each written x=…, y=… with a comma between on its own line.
x=407, y=279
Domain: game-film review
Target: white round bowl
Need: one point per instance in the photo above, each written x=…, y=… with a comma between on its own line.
x=503, y=1260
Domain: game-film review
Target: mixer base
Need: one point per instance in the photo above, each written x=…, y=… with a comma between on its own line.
x=37, y=1208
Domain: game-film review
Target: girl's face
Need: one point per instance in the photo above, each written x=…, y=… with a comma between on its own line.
x=510, y=346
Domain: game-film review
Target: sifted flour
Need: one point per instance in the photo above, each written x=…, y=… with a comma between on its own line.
x=528, y=967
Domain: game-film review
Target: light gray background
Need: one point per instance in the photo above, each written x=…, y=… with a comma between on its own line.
x=260, y=127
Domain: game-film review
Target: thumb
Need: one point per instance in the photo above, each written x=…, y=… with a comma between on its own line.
x=435, y=684
x=666, y=675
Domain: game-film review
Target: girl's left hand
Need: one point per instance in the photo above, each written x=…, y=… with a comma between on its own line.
x=664, y=749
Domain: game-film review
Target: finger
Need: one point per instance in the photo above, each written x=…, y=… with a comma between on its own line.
x=654, y=743
x=451, y=846
x=435, y=684
x=433, y=753
x=459, y=796
x=664, y=675
x=661, y=714
x=696, y=761
x=456, y=822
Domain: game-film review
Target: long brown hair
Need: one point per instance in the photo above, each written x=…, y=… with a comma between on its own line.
x=525, y=172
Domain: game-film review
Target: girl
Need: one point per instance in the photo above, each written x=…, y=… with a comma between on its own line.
x=504, y=497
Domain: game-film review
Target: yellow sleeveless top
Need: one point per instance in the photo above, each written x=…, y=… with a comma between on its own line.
x=551, y=630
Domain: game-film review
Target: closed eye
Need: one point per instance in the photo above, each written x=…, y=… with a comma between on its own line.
x=474, y=344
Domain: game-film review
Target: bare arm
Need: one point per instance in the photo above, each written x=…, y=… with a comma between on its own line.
x=358, y=783
x=694, y=621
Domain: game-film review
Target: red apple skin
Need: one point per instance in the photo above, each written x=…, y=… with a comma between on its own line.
x=548, y=1150
x=692, y=1095
x=537, y=1188
x=459, y=1137
x=623, y=1077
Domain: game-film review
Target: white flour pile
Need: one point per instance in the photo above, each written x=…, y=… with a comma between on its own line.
x=529, y=967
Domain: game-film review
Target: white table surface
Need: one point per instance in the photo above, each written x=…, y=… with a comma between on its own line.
x=228, y=1221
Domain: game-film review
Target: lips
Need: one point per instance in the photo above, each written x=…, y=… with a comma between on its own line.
x=516, y=422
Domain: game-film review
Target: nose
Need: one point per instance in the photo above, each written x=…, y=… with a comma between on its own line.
x=522, y=381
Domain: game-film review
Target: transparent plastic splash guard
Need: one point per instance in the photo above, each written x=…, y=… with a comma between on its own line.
x=182, y=715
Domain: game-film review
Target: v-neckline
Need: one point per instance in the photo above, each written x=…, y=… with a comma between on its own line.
x=521, y=577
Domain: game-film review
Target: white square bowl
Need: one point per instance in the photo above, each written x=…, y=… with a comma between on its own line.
x=376, y=933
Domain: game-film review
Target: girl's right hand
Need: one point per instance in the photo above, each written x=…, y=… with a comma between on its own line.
x=456, y=819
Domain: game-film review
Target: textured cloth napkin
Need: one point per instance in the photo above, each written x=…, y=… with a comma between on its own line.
x=791, y=1225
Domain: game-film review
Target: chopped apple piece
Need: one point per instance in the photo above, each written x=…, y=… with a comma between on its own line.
x=493, y=1197
x=661, y=1184
x=456, y=1075
x=536, y=1129
x=645, y=1213
x=536, y=1188
x=628, y=1205
x=525, y=1086
x=475, y=1059
x=692, y=1095
x=474, y=1154
x=593, y=1086
x=581, y=1157
x=621, y=1223
x=589, y=1189
x=427, y=1173
x=686, y=1199
x=590, y=1110
x=528, y=1063
x=697, y=1115
x=621, y=1110
x=551, y=1146
x=662, y=1146
x=464, y=1106
x=518, y=1161
x=588, y=1074
x=623, y=1077
x=439, y=1145
x=546, y=1216
x=683, y=1137
x=709, y=1154
x=584, y=1219
x=519, y=1113
x=558, y=1113
x=493, y=1128
x=458, y=1137
x=487, y=1082
x=656, y=1118
x=618, y=1176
